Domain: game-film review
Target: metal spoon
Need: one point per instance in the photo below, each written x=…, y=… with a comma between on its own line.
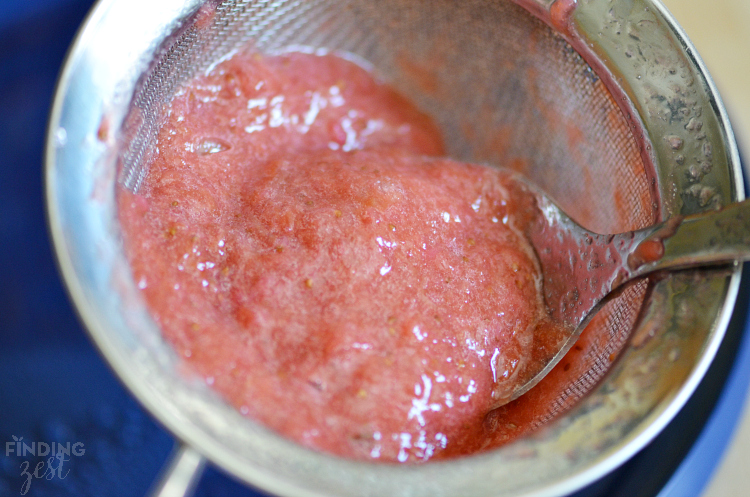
x=581, y=269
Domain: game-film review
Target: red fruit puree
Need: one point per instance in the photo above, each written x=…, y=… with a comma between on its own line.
x=301, y=245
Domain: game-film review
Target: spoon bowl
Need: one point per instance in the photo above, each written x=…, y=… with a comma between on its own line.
x=582, y=270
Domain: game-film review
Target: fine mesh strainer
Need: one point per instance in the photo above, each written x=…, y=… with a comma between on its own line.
x=600, y=103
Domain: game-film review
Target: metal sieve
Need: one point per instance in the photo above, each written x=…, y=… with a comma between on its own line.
x=602, y=103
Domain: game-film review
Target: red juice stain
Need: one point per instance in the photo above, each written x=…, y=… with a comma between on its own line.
x=647, y=251
x=560, y=15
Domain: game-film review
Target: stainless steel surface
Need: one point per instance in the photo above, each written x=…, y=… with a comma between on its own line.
x=514, y=75
x=181, y=475
x=720, y=31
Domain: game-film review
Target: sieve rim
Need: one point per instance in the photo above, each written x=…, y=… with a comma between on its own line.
x=122, y=365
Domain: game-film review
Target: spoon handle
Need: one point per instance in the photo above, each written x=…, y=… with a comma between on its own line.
x=703, y=239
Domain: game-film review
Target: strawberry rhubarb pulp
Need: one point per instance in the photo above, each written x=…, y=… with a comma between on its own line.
x=304, y=248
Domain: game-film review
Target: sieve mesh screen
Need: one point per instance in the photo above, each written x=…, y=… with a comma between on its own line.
x=503, y=87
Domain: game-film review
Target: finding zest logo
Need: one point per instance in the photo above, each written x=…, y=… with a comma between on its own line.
x=54, y=466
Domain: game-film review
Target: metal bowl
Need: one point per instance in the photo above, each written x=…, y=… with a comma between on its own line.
x=637, y=365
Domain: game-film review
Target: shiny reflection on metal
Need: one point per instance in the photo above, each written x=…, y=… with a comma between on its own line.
x=180, y=477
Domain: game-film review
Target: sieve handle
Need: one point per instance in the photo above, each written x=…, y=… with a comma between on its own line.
x=181, y=473
x=713, y=237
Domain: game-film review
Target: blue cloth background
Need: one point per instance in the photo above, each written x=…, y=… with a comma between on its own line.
x=54, y=387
